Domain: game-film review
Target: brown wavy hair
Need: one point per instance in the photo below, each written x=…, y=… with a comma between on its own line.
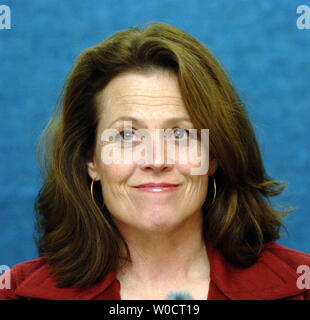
x=79, y=240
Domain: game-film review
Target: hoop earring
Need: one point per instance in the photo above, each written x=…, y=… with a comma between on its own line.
x=92, y=192
x=214, y=193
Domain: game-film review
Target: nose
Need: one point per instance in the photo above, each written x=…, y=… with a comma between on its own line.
x=157, y=161
x=156, y=167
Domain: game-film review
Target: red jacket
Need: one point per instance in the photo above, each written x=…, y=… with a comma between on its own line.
x=274, y=276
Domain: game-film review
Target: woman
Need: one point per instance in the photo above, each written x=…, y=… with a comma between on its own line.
x=146, y=229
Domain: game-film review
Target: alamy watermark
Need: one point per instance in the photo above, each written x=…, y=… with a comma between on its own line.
x=5, y=17
x=169, y=149
x=303, y=281
x=303, y=21
x=5, y=277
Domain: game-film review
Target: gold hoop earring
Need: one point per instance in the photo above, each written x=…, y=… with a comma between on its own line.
x=214, y=193
x=92, y=192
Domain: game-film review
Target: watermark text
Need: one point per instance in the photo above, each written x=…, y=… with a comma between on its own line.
x=169, y=146
x=5, y=277
x=303, y=281
x=303, y=21
x=5, y=17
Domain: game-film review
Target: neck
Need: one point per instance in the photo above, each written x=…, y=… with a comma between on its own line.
x=174, y=255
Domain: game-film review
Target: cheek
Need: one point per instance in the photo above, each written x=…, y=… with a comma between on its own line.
x=184, y=169
x=193, y=159
x=112, y=172
x=116, y=173
x=197, y=183
x=193, y=165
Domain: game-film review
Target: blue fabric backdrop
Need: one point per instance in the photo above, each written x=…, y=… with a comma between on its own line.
x=257, y=42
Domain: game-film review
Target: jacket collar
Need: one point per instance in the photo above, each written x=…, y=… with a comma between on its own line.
x=41, y=285
x=269, y=279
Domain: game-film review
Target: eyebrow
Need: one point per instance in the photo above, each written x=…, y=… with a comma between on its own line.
x=140, y=122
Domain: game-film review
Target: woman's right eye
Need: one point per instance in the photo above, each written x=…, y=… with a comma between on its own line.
x=127, y=136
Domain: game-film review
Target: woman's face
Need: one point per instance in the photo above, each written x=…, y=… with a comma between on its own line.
x=151, y=101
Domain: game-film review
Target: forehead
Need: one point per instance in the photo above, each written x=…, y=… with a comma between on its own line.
x=148, y=96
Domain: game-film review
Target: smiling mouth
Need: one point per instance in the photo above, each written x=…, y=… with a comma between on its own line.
x=157, y=187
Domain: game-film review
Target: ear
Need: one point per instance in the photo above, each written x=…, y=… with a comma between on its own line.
x=213, y=165
x=91, y=165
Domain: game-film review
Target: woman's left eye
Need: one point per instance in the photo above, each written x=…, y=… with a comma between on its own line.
x=180, y=133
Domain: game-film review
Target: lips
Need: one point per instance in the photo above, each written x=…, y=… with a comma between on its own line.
x=156, y=185
x=162, y=187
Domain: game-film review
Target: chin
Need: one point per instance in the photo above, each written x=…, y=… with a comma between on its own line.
x=161, y=225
